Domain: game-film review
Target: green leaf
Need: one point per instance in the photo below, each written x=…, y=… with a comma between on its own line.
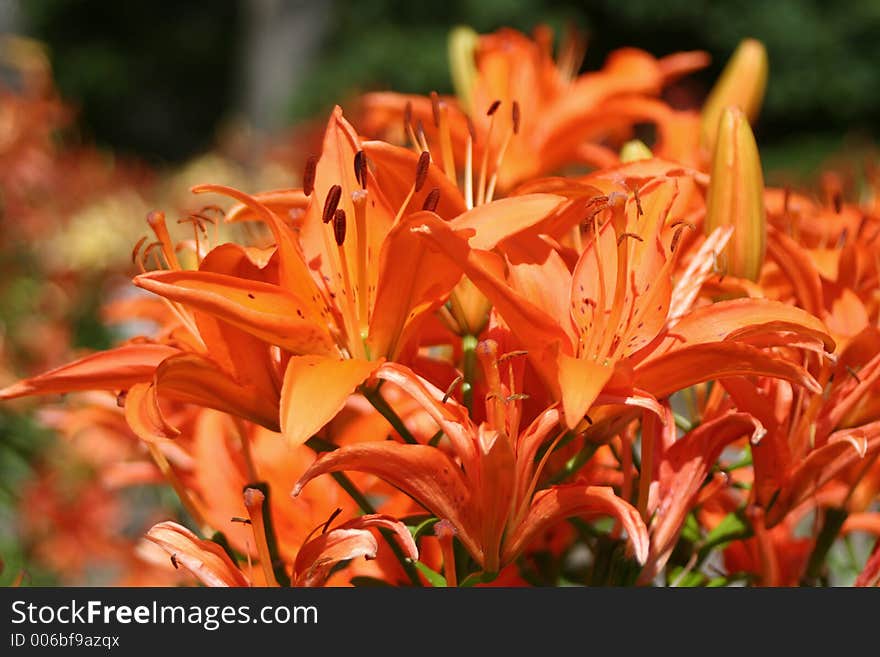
x=423, y=528
x=434, y=578
x=732, y=527
x=682, y=422
x=745, y=461
x=220, y=539
x=691, y=530
x=678, y=578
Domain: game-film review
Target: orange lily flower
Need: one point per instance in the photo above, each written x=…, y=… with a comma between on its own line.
x=213, y=566
x=623, y=324
x=192, y=363
x=673, y=472
x=346, y=297
x=552, y=118
x=486, y=489
x=811, y=438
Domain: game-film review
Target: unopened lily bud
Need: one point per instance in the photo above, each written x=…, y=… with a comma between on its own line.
x=462, y=44
x=742, y=84
x=634, y=151
x=736, y=195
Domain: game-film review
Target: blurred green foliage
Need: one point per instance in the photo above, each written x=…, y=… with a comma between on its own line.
x=150, y=78
x=156, y=77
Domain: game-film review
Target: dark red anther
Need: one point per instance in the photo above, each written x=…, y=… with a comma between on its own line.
x=431, y=200
x=360, y=168
x=435, y=108
x=422, y=170
x=339, y=226
x=331, y=203
x=309, y=175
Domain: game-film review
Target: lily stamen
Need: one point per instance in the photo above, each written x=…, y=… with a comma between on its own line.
x=446, y=142
x=481, y=187
x=469, y=165
x=421, y=176
x=511, y=132
x=431, y=200
x=623, y=236
x=253, y=502
x=451, y=388
x=309, y=175
x=360, y=168
x=197, y=225
x=156, y=220
x=331, y=203
x=422, y=137
x=350, y=318
x=408, y=127
x=359, y=201
x=135, y=252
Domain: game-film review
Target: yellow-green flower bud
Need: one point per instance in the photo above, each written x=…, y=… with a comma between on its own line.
x=736, y=195
x=635, y=150
x=742, y=84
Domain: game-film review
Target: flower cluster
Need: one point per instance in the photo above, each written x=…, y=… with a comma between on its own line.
x=493, y=338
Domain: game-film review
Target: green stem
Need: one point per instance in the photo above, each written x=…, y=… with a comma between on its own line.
x=834, y=519
x=378, y=401
x=575, y=463
x=468, y=368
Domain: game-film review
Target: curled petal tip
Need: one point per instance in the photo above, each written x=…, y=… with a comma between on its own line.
x=758, y=434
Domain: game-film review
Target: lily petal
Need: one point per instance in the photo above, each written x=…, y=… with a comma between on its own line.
x=681, y=474
x=500, y=219
x=115, y=369
x=822, y=464
x=414, y=279
x=294, y=273
x=450, y=416
x=395, y=168
x=424, y=473
x=580, y=380
x=718, y=321
x=797, y=265
x=144, y=416
x=195, y=379
x=870, y=575
x=204, y=559
x=281, y=202
x=351, y=540
x=698, y=363
x=555, y=504
x=532, y=324
x=315, y=389
x=269, y=312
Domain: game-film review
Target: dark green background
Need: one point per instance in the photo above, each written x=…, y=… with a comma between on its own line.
x=155, y=78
